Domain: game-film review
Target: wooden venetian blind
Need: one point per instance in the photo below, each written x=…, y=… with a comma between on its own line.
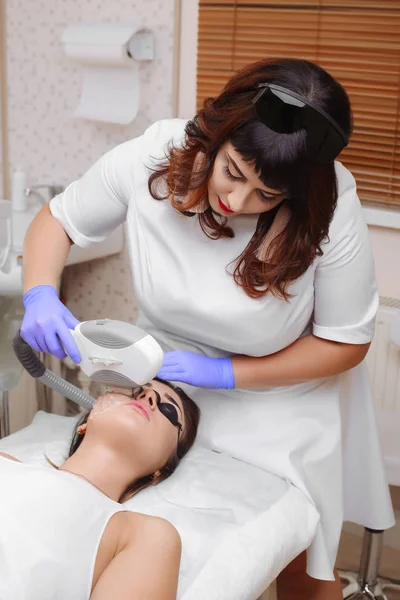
x=357, y=41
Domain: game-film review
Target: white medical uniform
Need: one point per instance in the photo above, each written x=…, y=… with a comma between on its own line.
x=51, y=525
x=189, y=301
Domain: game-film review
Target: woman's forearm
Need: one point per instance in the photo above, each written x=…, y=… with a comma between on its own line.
x=46, y=249
x=307, y=358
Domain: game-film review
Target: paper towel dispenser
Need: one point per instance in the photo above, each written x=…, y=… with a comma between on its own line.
x=110, y=56
x=108, y=44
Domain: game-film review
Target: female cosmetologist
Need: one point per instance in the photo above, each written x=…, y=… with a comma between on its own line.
x=253, y=269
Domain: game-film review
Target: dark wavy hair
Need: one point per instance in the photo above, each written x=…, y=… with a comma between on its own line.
x=281, y=160
x=186, y=441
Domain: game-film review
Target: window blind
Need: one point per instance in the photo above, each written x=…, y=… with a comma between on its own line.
x=357, y=41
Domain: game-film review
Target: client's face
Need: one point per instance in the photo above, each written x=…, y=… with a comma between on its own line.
x=141, y=425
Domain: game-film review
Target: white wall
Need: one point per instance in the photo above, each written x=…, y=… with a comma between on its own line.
x=53, y=146
x=2, y=92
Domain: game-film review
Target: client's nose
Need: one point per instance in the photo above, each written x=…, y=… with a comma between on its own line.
x=150, y=397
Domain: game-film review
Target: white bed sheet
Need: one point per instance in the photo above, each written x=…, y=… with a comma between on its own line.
x=239, y=525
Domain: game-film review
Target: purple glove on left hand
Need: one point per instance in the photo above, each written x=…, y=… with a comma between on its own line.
x=198, y=370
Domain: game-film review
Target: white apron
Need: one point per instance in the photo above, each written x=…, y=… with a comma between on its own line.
x=189, y=301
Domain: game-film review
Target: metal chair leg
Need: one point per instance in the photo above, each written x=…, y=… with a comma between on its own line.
x=5, y=424
x=368, y=584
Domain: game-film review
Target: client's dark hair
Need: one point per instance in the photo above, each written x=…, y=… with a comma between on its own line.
x=186, y=440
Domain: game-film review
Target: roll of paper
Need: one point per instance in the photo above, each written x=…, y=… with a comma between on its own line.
x=109, y=94
x=110, y=76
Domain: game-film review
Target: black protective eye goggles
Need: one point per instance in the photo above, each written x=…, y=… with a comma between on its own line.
x=285, y=111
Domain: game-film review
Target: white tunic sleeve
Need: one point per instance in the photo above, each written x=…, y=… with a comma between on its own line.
x=92, y=207
x=346, y=296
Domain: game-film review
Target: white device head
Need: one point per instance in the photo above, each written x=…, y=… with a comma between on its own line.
x=117, y=353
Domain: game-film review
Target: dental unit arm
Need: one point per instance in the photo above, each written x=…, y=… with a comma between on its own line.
x=113, y=353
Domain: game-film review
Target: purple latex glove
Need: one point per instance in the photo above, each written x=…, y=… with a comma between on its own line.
x=196, y=369
x=47, y=322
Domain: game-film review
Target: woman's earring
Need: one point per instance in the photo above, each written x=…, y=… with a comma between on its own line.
x=278, y=225
x=155, y=476
x=81, y=430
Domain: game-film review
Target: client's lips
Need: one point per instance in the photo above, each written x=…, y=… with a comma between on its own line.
x=140, y=407
x=223, y=206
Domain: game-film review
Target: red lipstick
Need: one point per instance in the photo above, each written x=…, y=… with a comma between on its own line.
x=140, y=407
x=224, y=207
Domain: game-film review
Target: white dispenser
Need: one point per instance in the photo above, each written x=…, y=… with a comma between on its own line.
x=109, y=54
x=5, y=233
x=18, y=196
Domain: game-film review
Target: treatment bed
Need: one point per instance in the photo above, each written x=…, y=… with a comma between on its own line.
x=240, y=526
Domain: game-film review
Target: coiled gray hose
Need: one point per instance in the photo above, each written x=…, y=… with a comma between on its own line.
x=38, y=370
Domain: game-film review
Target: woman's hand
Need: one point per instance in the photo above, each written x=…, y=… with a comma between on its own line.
x=198, y=370
x=47, y=323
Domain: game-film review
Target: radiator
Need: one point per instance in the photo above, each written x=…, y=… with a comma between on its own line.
x=383, y=362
